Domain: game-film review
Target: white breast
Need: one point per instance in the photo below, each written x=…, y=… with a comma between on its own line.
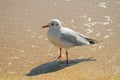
x=54, y=37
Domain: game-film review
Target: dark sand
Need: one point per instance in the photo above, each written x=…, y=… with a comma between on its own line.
x=26, y=54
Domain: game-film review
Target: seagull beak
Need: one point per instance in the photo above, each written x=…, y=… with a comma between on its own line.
x=45, y=26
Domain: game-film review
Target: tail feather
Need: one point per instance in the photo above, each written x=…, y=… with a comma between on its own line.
x=92, y=41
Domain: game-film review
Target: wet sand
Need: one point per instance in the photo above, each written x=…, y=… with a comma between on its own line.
x=26, y=54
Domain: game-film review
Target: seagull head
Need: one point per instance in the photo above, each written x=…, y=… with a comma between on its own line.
x=54, y=23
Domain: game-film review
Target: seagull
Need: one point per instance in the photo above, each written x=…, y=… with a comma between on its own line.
x=63, y=37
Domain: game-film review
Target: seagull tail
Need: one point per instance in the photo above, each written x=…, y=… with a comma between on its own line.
x=92, y=41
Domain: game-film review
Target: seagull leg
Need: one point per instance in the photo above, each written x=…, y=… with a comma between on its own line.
x=66, y=56
x=60, y=53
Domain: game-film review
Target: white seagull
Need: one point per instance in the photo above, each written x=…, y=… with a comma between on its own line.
x=63, y=37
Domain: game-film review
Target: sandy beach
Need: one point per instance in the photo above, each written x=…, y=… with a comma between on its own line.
x=26, y=53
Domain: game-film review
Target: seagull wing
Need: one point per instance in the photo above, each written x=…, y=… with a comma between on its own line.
x=73, y=38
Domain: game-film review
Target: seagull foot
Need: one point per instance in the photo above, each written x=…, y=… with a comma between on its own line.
x=59, y=57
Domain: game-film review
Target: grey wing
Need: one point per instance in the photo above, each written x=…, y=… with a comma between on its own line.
x=91, y=41
x=75, y=39
x=69, y=38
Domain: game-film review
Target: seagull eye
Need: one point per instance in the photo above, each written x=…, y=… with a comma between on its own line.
x=52, y=24
x=56, y=24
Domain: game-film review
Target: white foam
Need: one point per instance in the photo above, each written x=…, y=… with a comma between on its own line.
x=10, y=63
x=89, y=31
x=50, y=55
x=89, y=19
x=34, y=33
x=111, y=32
x=23, y=65
x=28, y=29
x=81, y=58
x=109, y=29
x=32, y=36
x=88, y=25
x=29, y=61
x=92, y=23
x=67, y=0
x=100, y=46
x=106, y=36
x=111, y=60
x=51, y=45
x=118, y=25
x=63, y=79
x=11, y=72
x=62, y=22
x=46, y=39
x=97, y=22
x=33, y=46
x=55, y=4
x=116, y=69
x=14, y=57
x=72, y=20
x=74, y=27
x=84, y=16
x=106, y=23
x=102, y=4
x=40, y=36
x=93, y=49
x=107, y=16
x=98, y=34
x=22, y=51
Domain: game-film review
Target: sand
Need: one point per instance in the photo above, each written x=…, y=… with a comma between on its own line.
x=26, y=53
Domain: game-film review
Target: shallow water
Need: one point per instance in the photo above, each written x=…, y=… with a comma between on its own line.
x=24, y=46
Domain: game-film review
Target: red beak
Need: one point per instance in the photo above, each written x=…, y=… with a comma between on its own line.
x=45, y=26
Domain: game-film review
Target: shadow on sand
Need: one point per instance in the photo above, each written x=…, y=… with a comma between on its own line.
x=55, y=66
